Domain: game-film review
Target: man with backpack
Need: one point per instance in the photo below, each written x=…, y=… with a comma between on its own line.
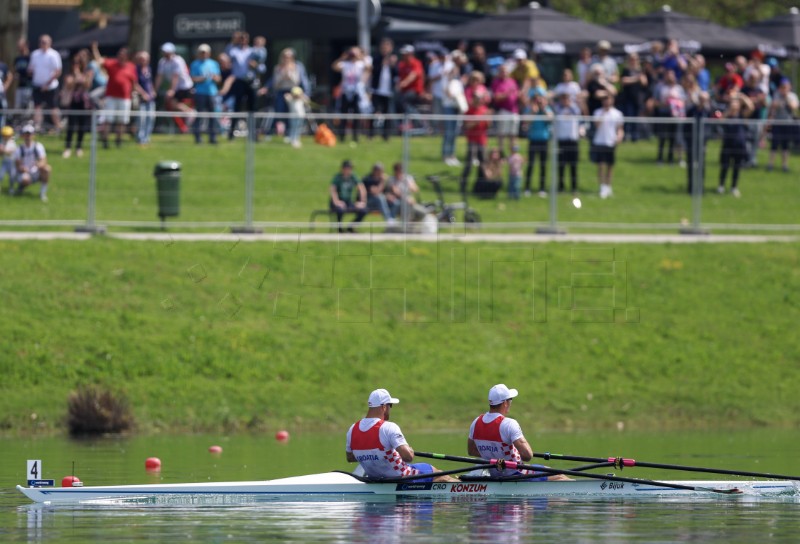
x=31, y=163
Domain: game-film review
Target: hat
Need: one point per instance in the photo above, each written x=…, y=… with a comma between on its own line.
x=406, y=49
x=28, y=129
x=168, y=47
x=772, y=62
x=379, y=397
x=8, y=132
x=347, y=164
x=203, y=48
x=520, y=54
x=604, y=44
x=377, y=166
x=757, y=54
x=500, y=393
x=297, y=91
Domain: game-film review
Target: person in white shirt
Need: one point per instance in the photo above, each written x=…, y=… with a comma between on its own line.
x=173, y=69
x=30, y=160
x=609, y=132
x=45, y=70
x=354, y=69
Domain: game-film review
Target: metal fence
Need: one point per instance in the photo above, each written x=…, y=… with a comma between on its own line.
x=256, y=181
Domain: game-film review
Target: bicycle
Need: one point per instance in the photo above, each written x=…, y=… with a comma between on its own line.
x=446, y=212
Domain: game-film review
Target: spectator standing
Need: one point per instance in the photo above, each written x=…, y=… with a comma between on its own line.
x=122, y=80
x=505, y=97
x=76, y=90
x=383, y=76
x=436, y=80
x=674, y=60
x=257, y=63
x=760, y=69
x=585, y=62
x=730, y=82
x=633, y=82
x=567, y=132
x=671, y=105
x=753, y=90
x=297, y=101
x=375, y=185
x=569, y=87
x=703, y=76
x=480, y=62
x=30, y=161
x=241, y=90
x=515, y=162
x=6, y=78
x=287, y=74
x=23, y=93
x=538, y=140
x=172, y=69
x=734, y=142
x=698, y=106
x=775, y=75
x=45, y=70
x=609, y=132
x=608, y=63
x=411, y=80
x=354, y=70
x=147, y=101
x=8, y=148
x=453, y=103
x=476, y=129
x=206, y=77
x=525, y=71
x=783, y=108
x=348, y=194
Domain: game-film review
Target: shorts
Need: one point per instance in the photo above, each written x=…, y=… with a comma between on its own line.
x=507, y=123
x=22, y=98
x=568, y=151
x=782, y=136
x=119, y=110
x=423, y=468
x=604, y=154
x=44, y=98
x=34, y=174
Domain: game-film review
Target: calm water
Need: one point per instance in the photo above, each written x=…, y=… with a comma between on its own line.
x=185, y=458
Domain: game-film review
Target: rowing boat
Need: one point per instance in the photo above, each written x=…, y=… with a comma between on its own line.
x=338, y=485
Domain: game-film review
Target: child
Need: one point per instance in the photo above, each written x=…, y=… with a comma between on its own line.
x=297, y=101
x=567, y=132
x=734, y=141
x=257, y=62
x=514, y=173
x=477, y=133
x=490, y=175
x=608, y=122
x=538, y=140
x=7, y=149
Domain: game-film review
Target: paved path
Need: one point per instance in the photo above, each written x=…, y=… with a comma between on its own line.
x=471, y=237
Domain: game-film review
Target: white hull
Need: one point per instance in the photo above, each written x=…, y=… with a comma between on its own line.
x=335, y=485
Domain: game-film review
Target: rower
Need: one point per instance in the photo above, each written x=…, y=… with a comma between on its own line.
x=379, y=446
x=493, y=435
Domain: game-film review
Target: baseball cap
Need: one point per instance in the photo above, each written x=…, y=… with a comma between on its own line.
x=347, y=164
x=499, y=393
x=772, y=62
x=379, y=397
x=8, y=131
x=604, y=44
x=407, y=49
x=203, y=48
x=377, y=166
x=168, y=47
x=520, y=54
x=28, y=129
x=297, y=91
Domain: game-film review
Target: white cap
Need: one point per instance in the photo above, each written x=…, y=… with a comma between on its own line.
x=406, y=49
x=28, y=129
x=204, y=48
x=379, y=397
x=499, y=393
x=604, y=44
x=520, y=54
x=168, y=47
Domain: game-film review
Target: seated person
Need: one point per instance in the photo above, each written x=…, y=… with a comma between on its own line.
x=490, y=176
x=348, y=195
x=398, y=184
x=375, y=183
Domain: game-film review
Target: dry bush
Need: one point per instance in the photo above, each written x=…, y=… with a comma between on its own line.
x=96, y=410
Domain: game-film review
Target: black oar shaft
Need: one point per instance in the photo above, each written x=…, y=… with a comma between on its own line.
x=622, y=462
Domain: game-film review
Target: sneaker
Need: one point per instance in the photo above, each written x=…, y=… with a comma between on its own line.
x=476, y=162
x=527, y=193
x=721, y=190
x=43, y=198
x=604, y=191
x=542, y=194
x=67, y=153
x=454, y=162
x=735, y=192
x=682, y=163
x=79, y=152
x=296, y=144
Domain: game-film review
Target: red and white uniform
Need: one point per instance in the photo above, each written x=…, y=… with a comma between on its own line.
x=373, y=442
x=494, y=436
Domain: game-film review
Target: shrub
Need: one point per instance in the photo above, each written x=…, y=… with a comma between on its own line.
x=96, y=410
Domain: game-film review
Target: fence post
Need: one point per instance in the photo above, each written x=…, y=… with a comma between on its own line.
x=698, y=169
x=552, y=227
x=91, y=204
x=404, y=211
x=249, y=178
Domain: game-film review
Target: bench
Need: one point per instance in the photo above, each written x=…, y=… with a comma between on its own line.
x=331, y=214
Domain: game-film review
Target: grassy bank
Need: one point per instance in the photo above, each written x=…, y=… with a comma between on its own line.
x=206, y=336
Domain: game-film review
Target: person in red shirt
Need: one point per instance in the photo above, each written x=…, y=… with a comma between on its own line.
x=122, y=80
x=410, y=80
x=476, y=130
x=730, y=82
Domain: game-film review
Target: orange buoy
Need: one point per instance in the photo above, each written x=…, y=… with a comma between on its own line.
x=215, y=449
x=70, y=481
x=282, y=436
x=152, y=463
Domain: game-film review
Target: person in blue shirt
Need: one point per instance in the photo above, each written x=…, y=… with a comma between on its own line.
x=538, y=138
x=206, y=76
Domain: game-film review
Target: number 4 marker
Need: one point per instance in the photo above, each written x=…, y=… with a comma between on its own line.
x=34, y=469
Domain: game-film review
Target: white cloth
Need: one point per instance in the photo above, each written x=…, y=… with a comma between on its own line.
x=352, y=76
x=567, y=124
x=609, y=122
x=510, y=431
x=30, y=155
x=570, y=88
x=43, y=66
x=167, y=68
x=390, y=435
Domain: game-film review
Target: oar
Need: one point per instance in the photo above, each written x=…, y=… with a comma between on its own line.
x=417, y=476
x=514, y=465
x=621, y=462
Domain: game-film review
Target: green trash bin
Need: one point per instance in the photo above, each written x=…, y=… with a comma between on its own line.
x=168, y=187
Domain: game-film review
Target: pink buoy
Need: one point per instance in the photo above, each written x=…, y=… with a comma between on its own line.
x=70, y=481
x=152, y=463
x=282, y=436
x=215, y=449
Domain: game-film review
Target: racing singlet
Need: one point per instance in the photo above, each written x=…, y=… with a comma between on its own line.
x=490, y=444
x=377, y=461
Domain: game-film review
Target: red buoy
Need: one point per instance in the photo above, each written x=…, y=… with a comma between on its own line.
x=215, y=449
x=70, y=481
x=152, y=463
x=282, y=436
